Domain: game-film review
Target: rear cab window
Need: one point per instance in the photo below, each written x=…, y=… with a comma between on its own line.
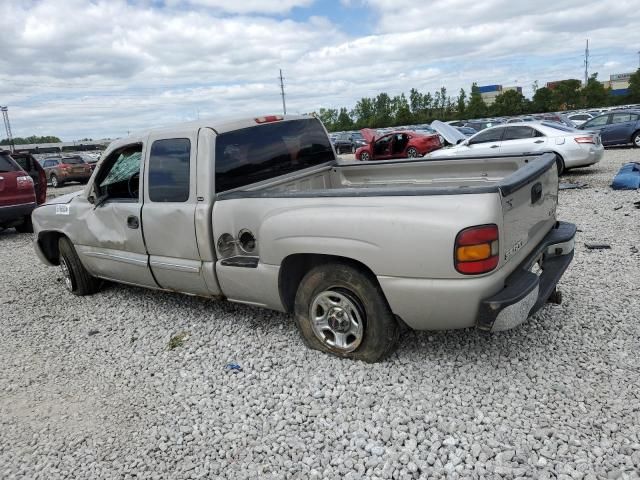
x=266, y=151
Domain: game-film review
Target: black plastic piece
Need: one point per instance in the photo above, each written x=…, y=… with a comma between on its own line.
x=241, y=261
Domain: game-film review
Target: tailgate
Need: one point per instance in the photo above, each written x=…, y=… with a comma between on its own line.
x=10, y=194
x=529, y=198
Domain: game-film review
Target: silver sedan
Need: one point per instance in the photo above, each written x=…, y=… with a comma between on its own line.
x=574, y=148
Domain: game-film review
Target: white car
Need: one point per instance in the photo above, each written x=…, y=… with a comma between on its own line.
x=580, y=118
x=573, y=148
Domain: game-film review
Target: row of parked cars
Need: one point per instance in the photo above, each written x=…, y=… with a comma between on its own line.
x=574, y=146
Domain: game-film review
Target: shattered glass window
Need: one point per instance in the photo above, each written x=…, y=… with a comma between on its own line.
x=127, y=165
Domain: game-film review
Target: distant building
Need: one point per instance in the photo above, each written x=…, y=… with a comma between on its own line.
x=618, y=83
x=553, y=85
x=517, y=89
x=489, y=93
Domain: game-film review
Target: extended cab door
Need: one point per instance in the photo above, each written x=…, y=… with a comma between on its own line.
x=168, y=214
x=110, y=241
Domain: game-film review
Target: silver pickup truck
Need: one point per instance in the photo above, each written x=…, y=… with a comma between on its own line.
x=260, y=211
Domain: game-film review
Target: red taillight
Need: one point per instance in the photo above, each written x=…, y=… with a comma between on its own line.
x=585, y=140
x=477, y=250
x=64, y=166
x=269, y=118
x=24, y=183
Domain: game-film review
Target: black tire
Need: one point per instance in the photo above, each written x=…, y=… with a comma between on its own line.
x=80, y=281
x=26, y=226
x=380, y=329
x=412, y=152
x=560, y=165
x=635, y=139
x=55, y=183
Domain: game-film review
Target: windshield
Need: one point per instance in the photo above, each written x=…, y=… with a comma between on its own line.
x=254, y=154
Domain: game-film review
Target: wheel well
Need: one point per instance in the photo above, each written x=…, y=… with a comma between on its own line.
x=294, y=267
x=48, y=242
x=634, y=134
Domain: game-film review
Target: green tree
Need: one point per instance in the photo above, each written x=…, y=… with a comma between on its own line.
x=461, y=103
x=476, y=108
x=344, y=121
x=33, y=139
x=566, y=94
x=510, y=102
x=634, y=87
x=363, y=113
x=328, y=116
x=402, y=110
x=543, y=101
x=383, y=113
x=594, y=94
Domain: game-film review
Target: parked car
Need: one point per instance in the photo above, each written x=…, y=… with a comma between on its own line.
x=397, y=144
x=466, y=131
x=17, y=195
x=357, y=141
x=616, y=128
x=579, y=118
x=572, y=147
x=481, y=125
x=259, y=211
x=60, y=170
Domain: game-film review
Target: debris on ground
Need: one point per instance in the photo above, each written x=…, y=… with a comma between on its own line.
x=617, y=208
x=177, y=340
x=91, y=333
x=597, y=246
x=571, y=186
x=628, y=177
x=233, y=367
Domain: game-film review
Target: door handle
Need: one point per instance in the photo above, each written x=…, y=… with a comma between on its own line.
x=495, y=146
x=539, y=141
x=133, y=222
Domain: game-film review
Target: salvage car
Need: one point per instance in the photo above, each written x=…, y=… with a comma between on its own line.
x=17, y=195
x=616, y=128
x=60, y=170
x=260, y=211
x=396, y=144
x=30, y=164
x=572, y=147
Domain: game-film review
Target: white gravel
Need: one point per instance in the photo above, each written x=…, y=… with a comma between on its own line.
x=89, y=388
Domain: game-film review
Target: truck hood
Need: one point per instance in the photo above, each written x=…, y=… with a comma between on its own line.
x=450, y=134
x=66, y=198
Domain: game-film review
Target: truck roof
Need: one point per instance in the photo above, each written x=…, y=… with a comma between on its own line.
x=219, y=125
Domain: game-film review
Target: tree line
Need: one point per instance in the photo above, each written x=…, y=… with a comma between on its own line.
x=31, y=140
x=416, y=108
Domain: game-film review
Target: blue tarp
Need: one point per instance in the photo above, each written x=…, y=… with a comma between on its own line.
x=628, y=178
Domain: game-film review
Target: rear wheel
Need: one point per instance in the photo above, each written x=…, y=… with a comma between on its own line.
x=635, y=139
x=76, y=278
x=26, y=226
x=560, y=164
x=55, y=183
x=341, y=310
x=412, y=152
x=364, y=156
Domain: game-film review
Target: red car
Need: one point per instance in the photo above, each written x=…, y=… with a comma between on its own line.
x=399, y=144
x=18, y=192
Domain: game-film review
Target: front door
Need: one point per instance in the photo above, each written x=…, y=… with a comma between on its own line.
x=487, y=142
x=112, y=245
x=382, y=148
x=522, y=139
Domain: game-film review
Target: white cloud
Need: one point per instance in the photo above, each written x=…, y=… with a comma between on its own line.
x=80, y=68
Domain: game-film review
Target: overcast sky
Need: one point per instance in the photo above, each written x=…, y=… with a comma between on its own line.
x=78, y=68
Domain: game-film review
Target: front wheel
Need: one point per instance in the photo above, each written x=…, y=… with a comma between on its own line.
x=412, y=152
x=635, y=139
x=340, y=309
x=76, y=278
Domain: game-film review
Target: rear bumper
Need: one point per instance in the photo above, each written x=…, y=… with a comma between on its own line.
x=15, y=212
x=526, y=292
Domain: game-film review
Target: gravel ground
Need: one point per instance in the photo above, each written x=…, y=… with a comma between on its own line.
x=91, y=389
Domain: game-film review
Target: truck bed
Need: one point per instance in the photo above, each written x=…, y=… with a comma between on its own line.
x=403, y=177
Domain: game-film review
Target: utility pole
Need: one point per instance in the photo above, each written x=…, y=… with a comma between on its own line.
x=638, y=58
x=7, y=127
x=586, y=64
x=284, y=105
